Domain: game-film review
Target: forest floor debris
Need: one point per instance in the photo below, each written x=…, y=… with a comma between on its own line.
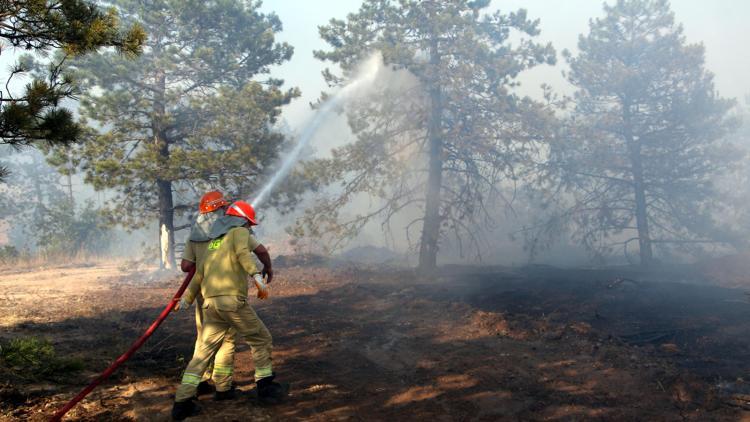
x=477, y=344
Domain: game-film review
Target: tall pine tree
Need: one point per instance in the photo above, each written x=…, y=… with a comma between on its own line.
x=195, y=110
x=461, y=118
x=647, y=133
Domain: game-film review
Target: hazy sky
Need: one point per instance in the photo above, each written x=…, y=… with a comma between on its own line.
x=719, y=24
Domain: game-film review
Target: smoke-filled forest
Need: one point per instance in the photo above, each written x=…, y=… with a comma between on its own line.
x=374, y=210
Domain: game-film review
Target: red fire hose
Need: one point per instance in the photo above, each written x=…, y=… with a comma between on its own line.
x=125, y=356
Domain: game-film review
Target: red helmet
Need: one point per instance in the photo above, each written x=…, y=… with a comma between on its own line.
x=244, y=210
x=212, y=201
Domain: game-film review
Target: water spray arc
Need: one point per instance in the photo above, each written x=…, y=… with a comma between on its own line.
x=365, y=77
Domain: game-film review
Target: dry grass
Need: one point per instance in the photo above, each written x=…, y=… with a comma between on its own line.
x=25, y=263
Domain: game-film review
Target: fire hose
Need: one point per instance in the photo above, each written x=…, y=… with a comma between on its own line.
x=125, y=356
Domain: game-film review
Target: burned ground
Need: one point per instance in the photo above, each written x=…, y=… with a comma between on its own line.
x=536, y=343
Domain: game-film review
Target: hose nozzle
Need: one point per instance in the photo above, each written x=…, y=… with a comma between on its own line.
x=262, y=287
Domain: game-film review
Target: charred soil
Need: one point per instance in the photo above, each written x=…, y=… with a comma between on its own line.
x=537, y=343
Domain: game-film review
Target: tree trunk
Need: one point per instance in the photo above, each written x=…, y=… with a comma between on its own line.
x=639, y=188
x=69, y=176
x=166, y=226
x=166, y=205
x=641, y=213
x=428, y=247
x=70, y=191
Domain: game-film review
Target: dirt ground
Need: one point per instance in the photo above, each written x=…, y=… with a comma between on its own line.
x=475, y=344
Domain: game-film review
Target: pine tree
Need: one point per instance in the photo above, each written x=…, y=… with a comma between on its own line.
x=73, y=27
x=188, y=114
x=461, y=116
x=647, y=134
x=39, y=215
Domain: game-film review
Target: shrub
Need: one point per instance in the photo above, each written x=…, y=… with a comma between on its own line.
x=31, y=358
x=8, y=253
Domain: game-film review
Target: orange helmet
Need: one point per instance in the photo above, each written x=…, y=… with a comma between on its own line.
x=244, y=210
x=212, y=201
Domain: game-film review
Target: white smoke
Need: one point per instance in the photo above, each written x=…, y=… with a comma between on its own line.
x=363, y=78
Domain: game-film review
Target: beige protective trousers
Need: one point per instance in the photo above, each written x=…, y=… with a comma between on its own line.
x=220, y=315
x=223, y=362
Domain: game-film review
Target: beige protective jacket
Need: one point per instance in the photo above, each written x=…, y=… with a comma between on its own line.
x=225, y=270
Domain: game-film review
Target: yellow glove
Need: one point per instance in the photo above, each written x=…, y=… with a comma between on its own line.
x=262, y=287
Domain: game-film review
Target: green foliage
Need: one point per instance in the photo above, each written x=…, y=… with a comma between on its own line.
x=452, y=108
x=187, y=114
x=74, y=27
x=8, y=253
x=31, y=184
x=645, y=141
x=33, y=359
x=42, y=217
x=234, y=150
x=61, y=231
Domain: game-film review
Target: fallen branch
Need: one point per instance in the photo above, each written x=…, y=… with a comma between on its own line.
x=619, y=280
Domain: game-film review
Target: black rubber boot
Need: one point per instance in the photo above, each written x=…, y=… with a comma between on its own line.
x=205, y=388
x=185, y=409
x=230, y=394
x=270, y=392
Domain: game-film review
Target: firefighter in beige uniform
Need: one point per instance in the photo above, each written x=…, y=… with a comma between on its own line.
x=222, y=280
x=211, y=208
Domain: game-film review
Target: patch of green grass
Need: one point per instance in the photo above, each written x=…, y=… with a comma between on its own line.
x=34, y=359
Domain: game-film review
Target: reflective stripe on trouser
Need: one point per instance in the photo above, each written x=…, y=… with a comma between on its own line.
x=220, y=315
x=225, y=355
